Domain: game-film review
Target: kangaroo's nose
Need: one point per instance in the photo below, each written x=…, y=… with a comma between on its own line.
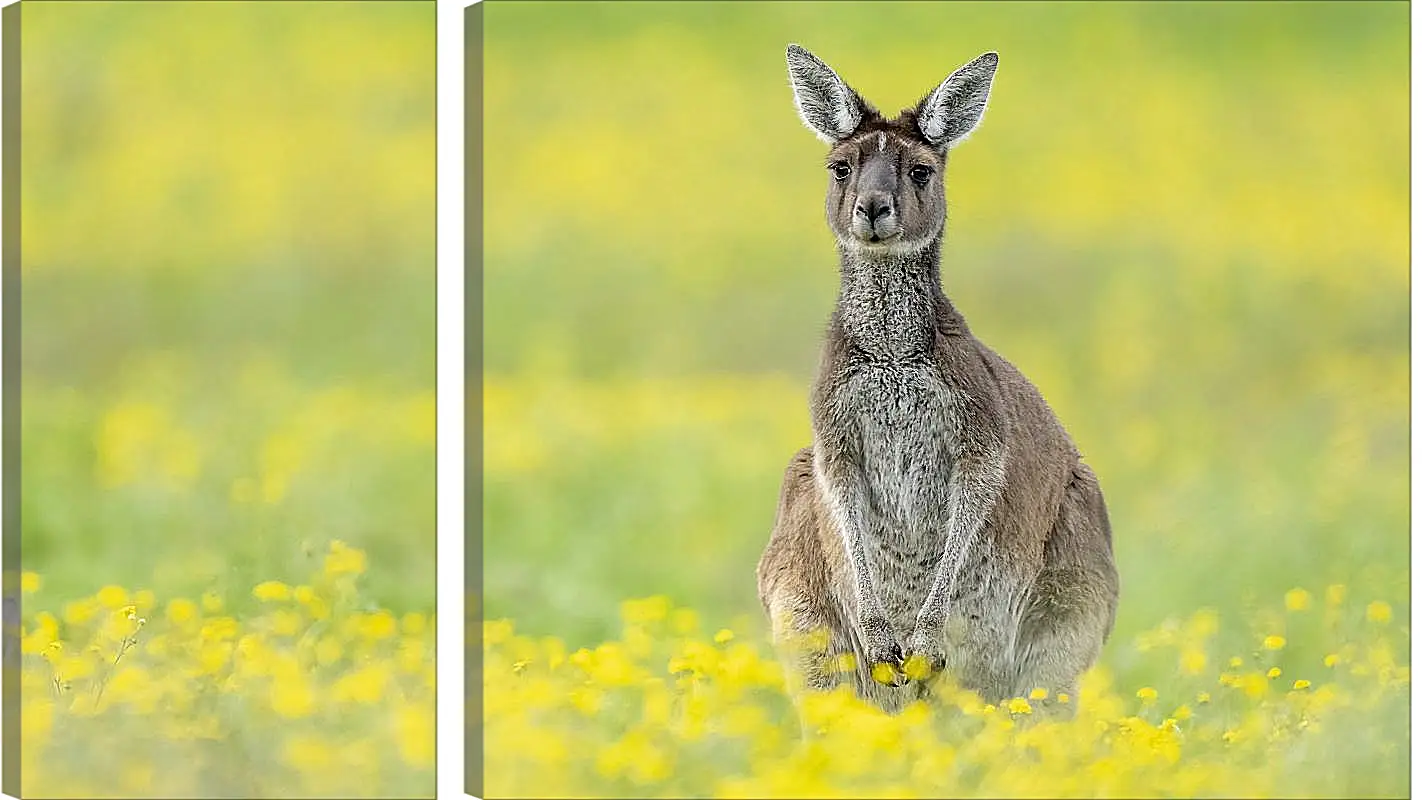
x=873, y=205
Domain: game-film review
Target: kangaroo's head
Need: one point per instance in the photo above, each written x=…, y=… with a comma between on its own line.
x=886, y=175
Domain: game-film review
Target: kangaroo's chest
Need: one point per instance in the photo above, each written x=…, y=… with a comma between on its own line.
x=906, y=424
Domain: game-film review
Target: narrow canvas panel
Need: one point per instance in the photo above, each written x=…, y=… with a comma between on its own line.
x=220, y=375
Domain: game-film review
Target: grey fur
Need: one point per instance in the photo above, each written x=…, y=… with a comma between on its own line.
x=942, y=510
x=950, y=112
x=826, y=104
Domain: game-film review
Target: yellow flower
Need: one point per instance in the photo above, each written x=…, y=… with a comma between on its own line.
x=377, y=626
x=724, y=635
x=181, y=611
x=44, y=635
x=1202, y=698
x=219, y=629
x=415, y=732
x=685, y=622
x=1037, y=694
x=80, y=612
x=1379, y=612
x=211, y=602
x=212, y=657
x=645, y=611
x=1330, y=660
x=1297, y=600
x=497, y=631
x=1274, y=642
x=365, y=685
x=1204, y=623
x=883, y=673
x=1275, y=672
x=318, y=608
x=917, y=667
x=1018, y=705
x=328, y=651
x=1255, y=685
x=1336, y=594
x=254, y=658
x=1147, y=695
x=1235, y=662
x=1193, y=661
x=1301, y=684
x=587, y=699
x=29, y=582
x=271, y=590
x=1063, y=698
x=112, y=597
x=144, y=600
x=412, y=655
x=342, y=559
x=638, y=641
x=286, y=622
x=73, y=668
x=554, y=650
x=292, y=696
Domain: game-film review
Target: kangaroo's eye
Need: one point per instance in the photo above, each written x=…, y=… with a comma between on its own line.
x=920, y=174
x=840, y=170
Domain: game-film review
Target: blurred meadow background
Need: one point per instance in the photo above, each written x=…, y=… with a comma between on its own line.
x=1187, y=223
x=228, y=398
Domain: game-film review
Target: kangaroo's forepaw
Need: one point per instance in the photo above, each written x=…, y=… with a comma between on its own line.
x=925, y=657
x=885, y=654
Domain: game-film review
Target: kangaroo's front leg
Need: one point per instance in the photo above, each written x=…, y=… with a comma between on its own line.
x=977, y=480
x=841, y=481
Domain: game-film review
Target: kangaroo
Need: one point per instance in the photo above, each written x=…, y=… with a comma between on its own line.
x=942, y=522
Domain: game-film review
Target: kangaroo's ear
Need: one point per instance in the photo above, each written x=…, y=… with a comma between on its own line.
x=951, y=112
x=826, y=104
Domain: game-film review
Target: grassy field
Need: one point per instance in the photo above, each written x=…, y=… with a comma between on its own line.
x=228, y=399
x=1186, y=222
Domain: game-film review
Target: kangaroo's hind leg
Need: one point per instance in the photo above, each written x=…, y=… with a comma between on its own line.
x=795, y=583
x=808, y=643
x=1073, y=601
x=810, y=640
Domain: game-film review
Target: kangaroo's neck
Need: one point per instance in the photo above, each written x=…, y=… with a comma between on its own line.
x=893, y=305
